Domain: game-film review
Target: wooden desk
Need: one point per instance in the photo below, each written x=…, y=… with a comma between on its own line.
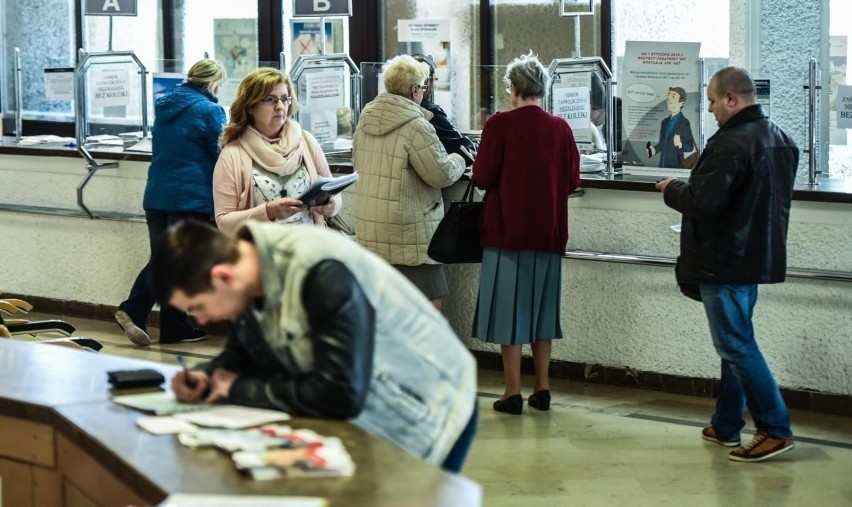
x=62, y=442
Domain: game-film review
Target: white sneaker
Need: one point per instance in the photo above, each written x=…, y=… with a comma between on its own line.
x=135, y=333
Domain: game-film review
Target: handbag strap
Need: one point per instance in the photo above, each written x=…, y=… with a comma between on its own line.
x=468, y=192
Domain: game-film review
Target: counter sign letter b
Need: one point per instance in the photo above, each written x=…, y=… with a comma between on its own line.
x=111, y=7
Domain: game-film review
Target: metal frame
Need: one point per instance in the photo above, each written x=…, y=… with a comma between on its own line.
x=588, y=64
x=19, y=127
x=305, y=62
x=578, y=3
x=82, y=117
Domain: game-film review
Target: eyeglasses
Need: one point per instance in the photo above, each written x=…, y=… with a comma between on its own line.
x=509, y=88
x=272, y=100
x=421, y=87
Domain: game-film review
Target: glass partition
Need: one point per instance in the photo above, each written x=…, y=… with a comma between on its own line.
x=45, y=42
x=328, y=88
x=466, y=104
x=839, y=153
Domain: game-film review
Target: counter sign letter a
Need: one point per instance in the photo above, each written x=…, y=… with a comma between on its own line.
x=111, y=4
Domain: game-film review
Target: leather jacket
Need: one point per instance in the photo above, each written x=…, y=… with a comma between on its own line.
x=736, y=204
x=341, y=334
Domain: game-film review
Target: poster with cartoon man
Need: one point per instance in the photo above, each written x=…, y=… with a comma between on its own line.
x=661, y=99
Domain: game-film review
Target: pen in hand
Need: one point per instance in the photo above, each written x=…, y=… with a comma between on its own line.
x=188, y=380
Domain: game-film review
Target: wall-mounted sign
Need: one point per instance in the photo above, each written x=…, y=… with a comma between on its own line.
x=314, y=8
x=762, y=91
x=576, y=7
x=59, y=83
x=110, y=8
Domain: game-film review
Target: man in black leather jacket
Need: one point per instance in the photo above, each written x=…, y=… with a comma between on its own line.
x=321, y=328
x=736, y=208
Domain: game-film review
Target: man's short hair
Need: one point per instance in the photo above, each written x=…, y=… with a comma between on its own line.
x=736, y=80
x=184, y=256
x=680, y=92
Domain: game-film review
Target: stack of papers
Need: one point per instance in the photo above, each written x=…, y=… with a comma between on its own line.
x=276, y=451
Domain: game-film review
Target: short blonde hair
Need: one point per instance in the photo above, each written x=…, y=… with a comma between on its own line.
x=255, y=87
x=403, y=72
x=208, y=74
x=528, y=75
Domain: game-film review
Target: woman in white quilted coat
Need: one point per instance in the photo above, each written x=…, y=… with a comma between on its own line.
x=402, y=167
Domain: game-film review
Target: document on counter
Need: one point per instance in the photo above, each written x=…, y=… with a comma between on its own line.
x=190, y=500
x=201, y=414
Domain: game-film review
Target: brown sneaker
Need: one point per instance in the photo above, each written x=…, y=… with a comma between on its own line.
x=762, y=447
x=709, y=434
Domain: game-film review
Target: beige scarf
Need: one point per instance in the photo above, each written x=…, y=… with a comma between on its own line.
x=281, y=156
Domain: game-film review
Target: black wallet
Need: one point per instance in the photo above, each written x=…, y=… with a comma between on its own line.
x=121, y=379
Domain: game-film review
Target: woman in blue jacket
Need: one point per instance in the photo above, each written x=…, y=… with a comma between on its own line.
x=187, y=124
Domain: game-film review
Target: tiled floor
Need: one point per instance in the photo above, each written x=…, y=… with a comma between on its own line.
x=602, y=446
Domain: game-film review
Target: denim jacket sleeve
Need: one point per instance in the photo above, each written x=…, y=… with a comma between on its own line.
x=342, y=329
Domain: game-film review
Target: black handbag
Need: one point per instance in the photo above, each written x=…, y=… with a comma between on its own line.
x=456, y=239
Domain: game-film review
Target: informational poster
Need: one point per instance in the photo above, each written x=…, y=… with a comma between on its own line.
x=428, y=37
x=307, y=39
x=235, y=47
x=109, y=87
x=571, y=101
x=59, y=83
x=661, y=98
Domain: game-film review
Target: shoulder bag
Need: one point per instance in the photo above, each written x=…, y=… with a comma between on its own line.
x=456, y=240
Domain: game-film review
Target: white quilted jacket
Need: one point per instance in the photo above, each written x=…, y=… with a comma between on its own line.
x=402, y=166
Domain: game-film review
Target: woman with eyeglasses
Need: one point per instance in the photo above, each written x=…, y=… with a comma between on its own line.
x=528, y=164
x=402, y=167
x=267, y=159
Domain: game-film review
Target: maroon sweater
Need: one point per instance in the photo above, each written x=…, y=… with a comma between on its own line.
x=528, y=162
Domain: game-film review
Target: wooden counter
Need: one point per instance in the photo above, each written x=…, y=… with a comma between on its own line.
x=62, y=442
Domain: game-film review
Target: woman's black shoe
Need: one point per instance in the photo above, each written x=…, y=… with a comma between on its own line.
x=540, y=400
x=512, y=405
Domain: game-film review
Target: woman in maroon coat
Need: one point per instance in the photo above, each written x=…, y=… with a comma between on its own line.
x=528, y=163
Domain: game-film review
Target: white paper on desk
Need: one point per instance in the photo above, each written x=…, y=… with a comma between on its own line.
x=158, y=403
x=143, y=146
x=189, y=500
x=232, y=416
x=164, y=425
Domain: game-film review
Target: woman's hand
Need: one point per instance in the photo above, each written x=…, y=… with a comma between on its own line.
x=283, y=208
x=326, y=209
x=190, y=386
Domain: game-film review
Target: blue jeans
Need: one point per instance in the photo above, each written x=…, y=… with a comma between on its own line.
x=455, y=459
x=746, y=379
x=138, y=305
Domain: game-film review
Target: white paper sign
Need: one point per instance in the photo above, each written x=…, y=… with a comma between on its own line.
x=573, y=105
x=59, y=83
x=324, y=91
x=844, y=107
x=419, y=30
x=110, y=87
x=323, y=125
